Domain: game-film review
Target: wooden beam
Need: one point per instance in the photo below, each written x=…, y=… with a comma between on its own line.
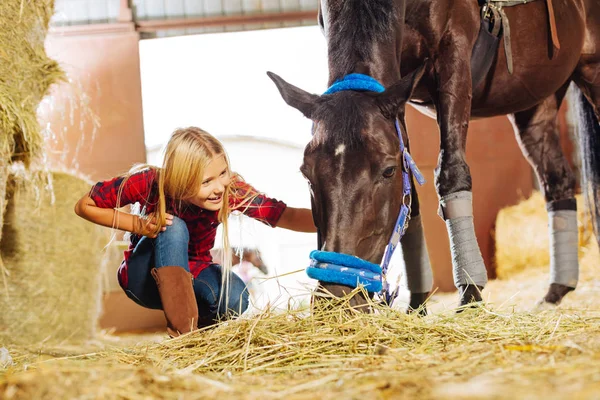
x=179, y=23
x=91, y=29
x=223, y=20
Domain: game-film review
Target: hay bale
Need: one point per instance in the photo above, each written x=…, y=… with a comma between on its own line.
x=26, y=74
x=54, y=259
x=3, y=182
x=522, y=241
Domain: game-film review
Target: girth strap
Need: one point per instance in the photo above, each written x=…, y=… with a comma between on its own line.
x=507, y=45
x=552, y=21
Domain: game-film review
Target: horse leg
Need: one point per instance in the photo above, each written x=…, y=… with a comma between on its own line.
x=537, y=133
x=452, y=175
x=587, y=78
x=417, y=266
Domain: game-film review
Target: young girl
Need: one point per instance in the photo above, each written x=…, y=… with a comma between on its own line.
x=168, y=264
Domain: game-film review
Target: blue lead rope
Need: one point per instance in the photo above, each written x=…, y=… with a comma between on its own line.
x=345, y=270
x=349, y=270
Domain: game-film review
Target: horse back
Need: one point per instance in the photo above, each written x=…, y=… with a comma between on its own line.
x=539, y=68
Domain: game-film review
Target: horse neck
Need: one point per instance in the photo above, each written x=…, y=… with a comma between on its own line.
x=383, y=66
x=358, y=44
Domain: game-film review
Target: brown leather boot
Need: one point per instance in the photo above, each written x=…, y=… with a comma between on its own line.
x=178, y=299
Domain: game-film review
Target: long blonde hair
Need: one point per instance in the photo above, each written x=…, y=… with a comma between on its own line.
x=186, y=157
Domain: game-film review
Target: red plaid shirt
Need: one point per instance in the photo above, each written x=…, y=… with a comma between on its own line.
x=202, y=224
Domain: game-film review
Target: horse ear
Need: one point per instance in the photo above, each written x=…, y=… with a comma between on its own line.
x=395, y=97
x=295, y=97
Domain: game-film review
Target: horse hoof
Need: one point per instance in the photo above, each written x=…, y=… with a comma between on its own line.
x=417, y=304
x=556, y=292
x=470, y=295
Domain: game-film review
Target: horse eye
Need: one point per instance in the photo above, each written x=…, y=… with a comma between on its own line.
x=389, y=172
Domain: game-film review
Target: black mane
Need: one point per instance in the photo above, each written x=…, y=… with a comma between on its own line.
x=355, y=25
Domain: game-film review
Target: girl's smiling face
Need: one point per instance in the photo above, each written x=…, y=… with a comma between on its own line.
x=215, y=181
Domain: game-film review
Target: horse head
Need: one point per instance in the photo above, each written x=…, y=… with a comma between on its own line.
x=353, y=166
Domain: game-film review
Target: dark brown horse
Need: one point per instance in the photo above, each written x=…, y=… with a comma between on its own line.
x=353, y=156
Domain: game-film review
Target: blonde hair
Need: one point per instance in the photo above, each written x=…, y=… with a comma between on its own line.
x=186, y=157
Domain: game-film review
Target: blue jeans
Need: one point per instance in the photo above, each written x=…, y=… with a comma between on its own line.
x=170, y=248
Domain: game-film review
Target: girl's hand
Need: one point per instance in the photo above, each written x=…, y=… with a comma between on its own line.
x=148, y=226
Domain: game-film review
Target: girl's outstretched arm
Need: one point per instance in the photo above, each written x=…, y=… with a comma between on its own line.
x=87, y=209
x=297, y=219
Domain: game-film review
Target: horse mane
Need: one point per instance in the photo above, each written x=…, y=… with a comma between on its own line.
x=354, y=25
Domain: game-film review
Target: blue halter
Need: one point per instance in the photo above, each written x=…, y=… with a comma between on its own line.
x=350, y=270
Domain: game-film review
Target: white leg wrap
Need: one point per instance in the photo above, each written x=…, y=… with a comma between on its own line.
x=467, y=263
x=417, y=266
x=564, y=243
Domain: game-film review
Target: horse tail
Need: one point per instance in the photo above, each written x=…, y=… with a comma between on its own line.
x=589, y=152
